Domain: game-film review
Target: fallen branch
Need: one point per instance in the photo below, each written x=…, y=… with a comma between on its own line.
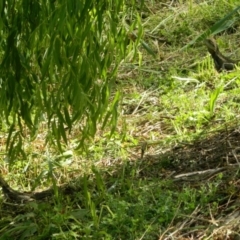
x=201, y=175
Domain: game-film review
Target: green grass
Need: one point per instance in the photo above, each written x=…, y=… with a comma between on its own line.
x=176, y=101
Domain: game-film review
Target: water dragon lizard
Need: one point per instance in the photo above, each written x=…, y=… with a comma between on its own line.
x=221, y=62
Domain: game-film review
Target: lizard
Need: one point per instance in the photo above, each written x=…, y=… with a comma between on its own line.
x=221, y=62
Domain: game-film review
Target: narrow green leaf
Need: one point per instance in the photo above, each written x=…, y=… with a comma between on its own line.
x=219, y=26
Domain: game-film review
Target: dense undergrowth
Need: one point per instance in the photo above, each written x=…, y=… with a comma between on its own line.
x=182, y=110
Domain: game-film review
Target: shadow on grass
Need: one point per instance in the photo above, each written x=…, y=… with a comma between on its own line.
x=184, y=192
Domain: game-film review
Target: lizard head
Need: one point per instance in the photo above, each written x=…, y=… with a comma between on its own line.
x=211, y=45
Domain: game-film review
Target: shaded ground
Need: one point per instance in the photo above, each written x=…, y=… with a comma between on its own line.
x=216, y=151
x=206, y=163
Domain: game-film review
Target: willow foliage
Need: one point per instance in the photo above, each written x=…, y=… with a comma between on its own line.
x=57, y=61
